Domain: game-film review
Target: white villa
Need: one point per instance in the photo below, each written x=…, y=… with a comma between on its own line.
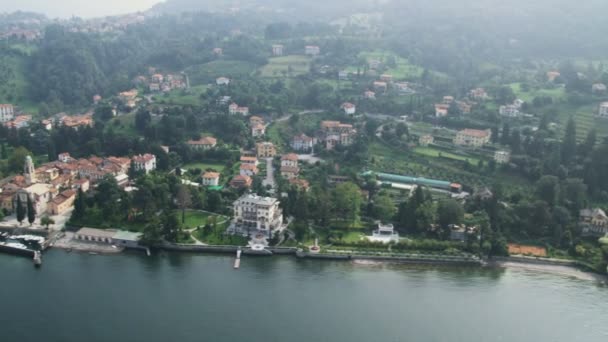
x=252, y=212
x=385, y=234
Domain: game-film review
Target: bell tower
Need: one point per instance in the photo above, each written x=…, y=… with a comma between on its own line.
x=28, y=171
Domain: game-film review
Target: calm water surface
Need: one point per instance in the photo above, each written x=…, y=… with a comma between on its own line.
x=180, y=297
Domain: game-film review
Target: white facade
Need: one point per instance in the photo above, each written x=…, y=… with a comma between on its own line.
x=603, y=111
x=509, y=110
x=211, y=179
x=259, y=213
x=7, y=112
x=222, y=81
x=145, y=163
x=502, y=157
x=312, y=50
x=277, y=50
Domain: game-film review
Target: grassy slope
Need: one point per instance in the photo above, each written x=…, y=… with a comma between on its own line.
x=13, y=82
x=279, y=66
x=208, y=72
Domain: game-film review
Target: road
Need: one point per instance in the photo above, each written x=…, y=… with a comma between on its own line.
x=269, y=181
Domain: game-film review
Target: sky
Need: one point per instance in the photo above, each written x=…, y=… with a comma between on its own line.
x=80, y=8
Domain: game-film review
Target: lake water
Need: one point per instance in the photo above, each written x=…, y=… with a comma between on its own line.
x=182, y=297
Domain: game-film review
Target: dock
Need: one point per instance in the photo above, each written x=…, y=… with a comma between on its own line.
x=237, y=261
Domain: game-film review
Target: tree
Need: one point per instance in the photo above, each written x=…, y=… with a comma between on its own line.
x=21, y=210
x=384, y=209
x=79, y=206
x=547, y=189
x=347, y=201
x=31, y=211
x=152, y=233
x=104, y=112
x=450, y=211
x=17, y=159
x=170, y=226
x=46, y=221
x=184, y=200
x=569, y=142
x=505, y=137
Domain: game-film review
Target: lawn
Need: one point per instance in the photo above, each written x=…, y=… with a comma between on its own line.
x=290, y=66
x=207, y=73
x=437, y=153
x=13, y=83
x=190, y=97
x=198, y=218
x=556, y=93
x=205, y=166
x=403, y=69
x=123, y=124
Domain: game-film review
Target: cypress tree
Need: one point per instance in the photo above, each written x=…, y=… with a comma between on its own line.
x=79, y=206
x=20, y=210
x=31, y=211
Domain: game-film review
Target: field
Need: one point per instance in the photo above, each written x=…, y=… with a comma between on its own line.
x=557, y=93
x=198, y=218
x=527, y=250
x=13, y=84
x=290, y=66
x=437, y=153
x=402, y=70
x=205, y=166
x=207, y=73
x=189, y=97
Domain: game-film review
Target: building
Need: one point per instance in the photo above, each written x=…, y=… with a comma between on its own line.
x=502, y=157
x=386, y=78
x=312, y=50
x=426, y=140
x=464, y=107
x=461, y=232
x=145, y=163
x=508, y=110
x=335, y=133
x=236, y=109
x=95, y=235
x=552, y=75
x=478, y=94
x=258, y=130
x=211, y=179
x=370, y=95
x=62, y=202
x=302, y=143
x=447, y=100
x=277, y=50
x=343, y=75
x=218, y=51
x=300, y=184
x=441, y=110
x=349, y=108
x=603, y=110
x=289, y=166
x=403, y=88
x=204, y=143
x=241, y=182
x=473, y=137
x=598, y=88
x=380, y=86
x=222, y=81
x=385, y=233
x=40, y=194
x=249, y=160
x=252, y=212
x=7, y=113
x=593, y=222
x=20, y=121
x=127, y=239
x=248, y=170
x=77, y=121
x=265, y=150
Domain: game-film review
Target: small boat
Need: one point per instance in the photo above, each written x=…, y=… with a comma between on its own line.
x=37, y=259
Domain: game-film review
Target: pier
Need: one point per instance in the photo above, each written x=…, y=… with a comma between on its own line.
x=237, y=261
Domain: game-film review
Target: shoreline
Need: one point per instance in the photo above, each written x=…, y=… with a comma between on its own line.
x=571, y=271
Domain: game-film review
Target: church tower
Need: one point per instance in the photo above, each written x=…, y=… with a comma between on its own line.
x=28, y=171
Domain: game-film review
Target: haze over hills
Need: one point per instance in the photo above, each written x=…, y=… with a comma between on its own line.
x=84, y=9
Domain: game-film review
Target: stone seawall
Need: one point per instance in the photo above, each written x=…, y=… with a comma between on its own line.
x=538, y=261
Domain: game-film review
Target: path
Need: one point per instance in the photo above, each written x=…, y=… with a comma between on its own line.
x=269, y=181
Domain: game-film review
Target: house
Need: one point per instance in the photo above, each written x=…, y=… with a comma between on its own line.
x=204, y=143
x=603, y=110
x=277, y=50
x=403, y=88
x=369, y=95
x=249, y=160
x=65, y=158
x=222, y=81
x=265, y=150
x=508, y=110
x=7, y=112
x=380, y=86
x=447, y=100
x=335, y=133
x=302, y=143
x=236, y=109
x=47, y=124
x=426, y=140
x=343, y=75
x=461, y=232
x=127, y=96
x=248, y=170
x=385, y=234
x=218, y=51
x=18, y=122
x=241, y=182
x=145, y=163
x=374, y=64
x=598, y=88
x=254, y=120
x=552, y=75
x=473, y=137
x=502, y=157
x=464, y=107
x=211, y=179
x=478, y=94
x=154, y=87
x=386, y=78
x=62, y=202
x=289, y=166
x=518, y=103
x=593, y=222
x=81, y=184
x=300, y=184
x=312, y=50
x=39, y=193
x=127, y=239
x=441, y=110
x=157, y=78
x=77, y=121
x=252, y=212
x=349, y=108
x=95, y=235
x=258, y=130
